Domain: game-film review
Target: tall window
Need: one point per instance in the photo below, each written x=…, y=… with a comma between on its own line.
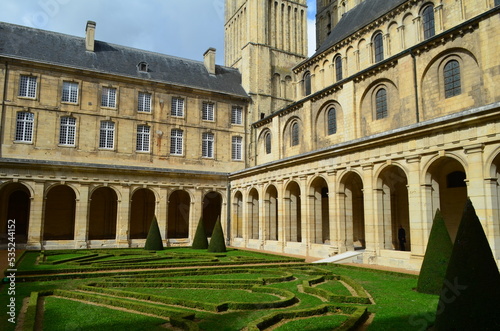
x=177, y=107
x=108, y=97
x=497, y=2
x=428, y=21
x=381, y=103
x=67, y=131
x=236, y=148
x=176, y=141
x=338, y=68
x=307, y=83
x=267, y=141
x=236, y=115
x=70, y=92
x=208, y=113
x=24, y=127
x=452, y=85
x=143, y=137
x=27, y=86
x=207, y=144
x=144, y=102
x=107, y=135
x=295, y=134
x=332, y=121
x=378, y=47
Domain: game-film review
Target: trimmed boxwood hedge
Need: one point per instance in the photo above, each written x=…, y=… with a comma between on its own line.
x=30, y=315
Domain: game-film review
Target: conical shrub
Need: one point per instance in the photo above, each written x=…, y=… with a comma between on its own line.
x=470, y=296
x=437, y=256
x=217, y=242
x=153, y=241
x=200, y=240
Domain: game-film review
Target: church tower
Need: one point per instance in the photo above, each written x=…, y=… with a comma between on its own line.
x=264, y=39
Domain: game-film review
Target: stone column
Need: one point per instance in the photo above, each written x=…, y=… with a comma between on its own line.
x=161, y=213
x=475, y=184
x=372, y=222
x=401, y=30
x=37, y=208
x=82, y=217
x=123, y=218
x=438, y=18
x=333, y=209
x=417, y=22
x=419, y=226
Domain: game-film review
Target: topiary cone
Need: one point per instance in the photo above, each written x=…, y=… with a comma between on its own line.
x=436, y=259
x=200, y=240
x=470, y=296
x=217, y=242
x=153, y=241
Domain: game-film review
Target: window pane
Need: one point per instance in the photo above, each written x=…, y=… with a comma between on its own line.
x=236, y=115
x=379, y=47
x=68, y=131
x=177, y=107
x=208, y=111
x=108, y=98
x=295, y=134
x=24, y=127
x=143, y=137
x=338, y=68
x=307, y=84
x=27, y=86
x=207, y=148
x=332, y=121
x=268, y=143
x=236, y=150
x=107, y=134
x=381, y=104
x=144, y=102
x=176, y=137
x=428, y=21
x=452, y=84
x=70, y=92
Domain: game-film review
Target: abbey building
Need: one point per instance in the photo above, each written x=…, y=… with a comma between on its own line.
x=395, y=115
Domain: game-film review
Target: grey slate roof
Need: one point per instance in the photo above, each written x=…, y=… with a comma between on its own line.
x=356, y=18
x=69, y=51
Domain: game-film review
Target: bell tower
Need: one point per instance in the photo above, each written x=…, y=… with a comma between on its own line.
x=265, y=39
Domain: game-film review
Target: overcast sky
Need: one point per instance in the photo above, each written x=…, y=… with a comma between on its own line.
x=184, y=28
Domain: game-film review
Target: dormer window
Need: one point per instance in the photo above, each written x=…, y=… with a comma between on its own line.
x=143, y=67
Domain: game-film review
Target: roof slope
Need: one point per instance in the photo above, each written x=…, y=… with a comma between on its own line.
x=356, y=18
x=69, y=51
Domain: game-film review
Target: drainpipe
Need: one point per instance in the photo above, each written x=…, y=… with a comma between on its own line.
x=2, y=119
x=415, y=86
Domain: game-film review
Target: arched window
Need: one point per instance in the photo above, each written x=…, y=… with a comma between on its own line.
x=267, y=142
x=378, y=47
x=332, y=121
x=338, y=68
x=452, y=85
x=381, y=103
x=428, y=21
x=294, y=133
x=307, y=83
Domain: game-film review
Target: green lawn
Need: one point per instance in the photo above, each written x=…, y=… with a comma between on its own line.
x=397, y=306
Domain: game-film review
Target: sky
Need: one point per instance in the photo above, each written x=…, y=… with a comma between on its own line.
x=183, y=28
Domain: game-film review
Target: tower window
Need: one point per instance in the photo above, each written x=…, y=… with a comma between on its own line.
x=338, y=68
x=332, y=121
x=294, y=132
x=267, y=142
x=381, y=103
x=378, y=47
x=428, y=21
x=452, y=85
x=307, y=83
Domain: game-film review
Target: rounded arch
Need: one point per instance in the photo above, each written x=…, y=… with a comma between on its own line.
x=426, y=169
x=384, y=168
x=393, y=199
x=351, y=211
x=142, y=211
x=491, y=165
x=271, y=212
x=292, y=133
x=179, y=208
x=103, y=213
x=446, y=180
x=265, y=141
x=15, y=203
x=212, y=206
x=253, y=213
x=293, y=212
x=237, y=220
x=59, y=217
x=320, y=208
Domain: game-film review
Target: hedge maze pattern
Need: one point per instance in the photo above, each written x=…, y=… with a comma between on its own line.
x=192, y=291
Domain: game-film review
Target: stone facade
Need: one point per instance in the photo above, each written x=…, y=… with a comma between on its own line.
x=395, y=115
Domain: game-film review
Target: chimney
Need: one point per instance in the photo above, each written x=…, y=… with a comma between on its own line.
x=209, y=59
x=89, y=36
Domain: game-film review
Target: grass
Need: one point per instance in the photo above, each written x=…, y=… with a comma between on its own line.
x=397, y=306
